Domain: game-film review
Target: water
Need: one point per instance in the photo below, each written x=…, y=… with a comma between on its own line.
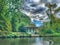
x=31, y=41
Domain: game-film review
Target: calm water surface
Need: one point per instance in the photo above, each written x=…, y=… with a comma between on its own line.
x=31, y=41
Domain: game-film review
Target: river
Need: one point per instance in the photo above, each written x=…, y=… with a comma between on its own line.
x=30, y=41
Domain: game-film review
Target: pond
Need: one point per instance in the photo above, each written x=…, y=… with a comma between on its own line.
x=31, y=41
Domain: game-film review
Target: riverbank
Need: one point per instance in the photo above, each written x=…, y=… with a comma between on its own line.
x=25, y=35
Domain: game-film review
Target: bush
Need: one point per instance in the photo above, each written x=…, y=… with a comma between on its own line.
x=49, y=31
x=57, y=30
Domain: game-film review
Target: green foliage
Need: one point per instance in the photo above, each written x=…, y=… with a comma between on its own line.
x=49, y=31
x=10, y=16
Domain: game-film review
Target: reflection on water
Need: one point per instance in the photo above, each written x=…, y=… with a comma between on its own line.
x=38, y=41
x=31, y=41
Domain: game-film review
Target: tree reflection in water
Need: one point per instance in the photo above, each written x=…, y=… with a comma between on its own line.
x=31, y=41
